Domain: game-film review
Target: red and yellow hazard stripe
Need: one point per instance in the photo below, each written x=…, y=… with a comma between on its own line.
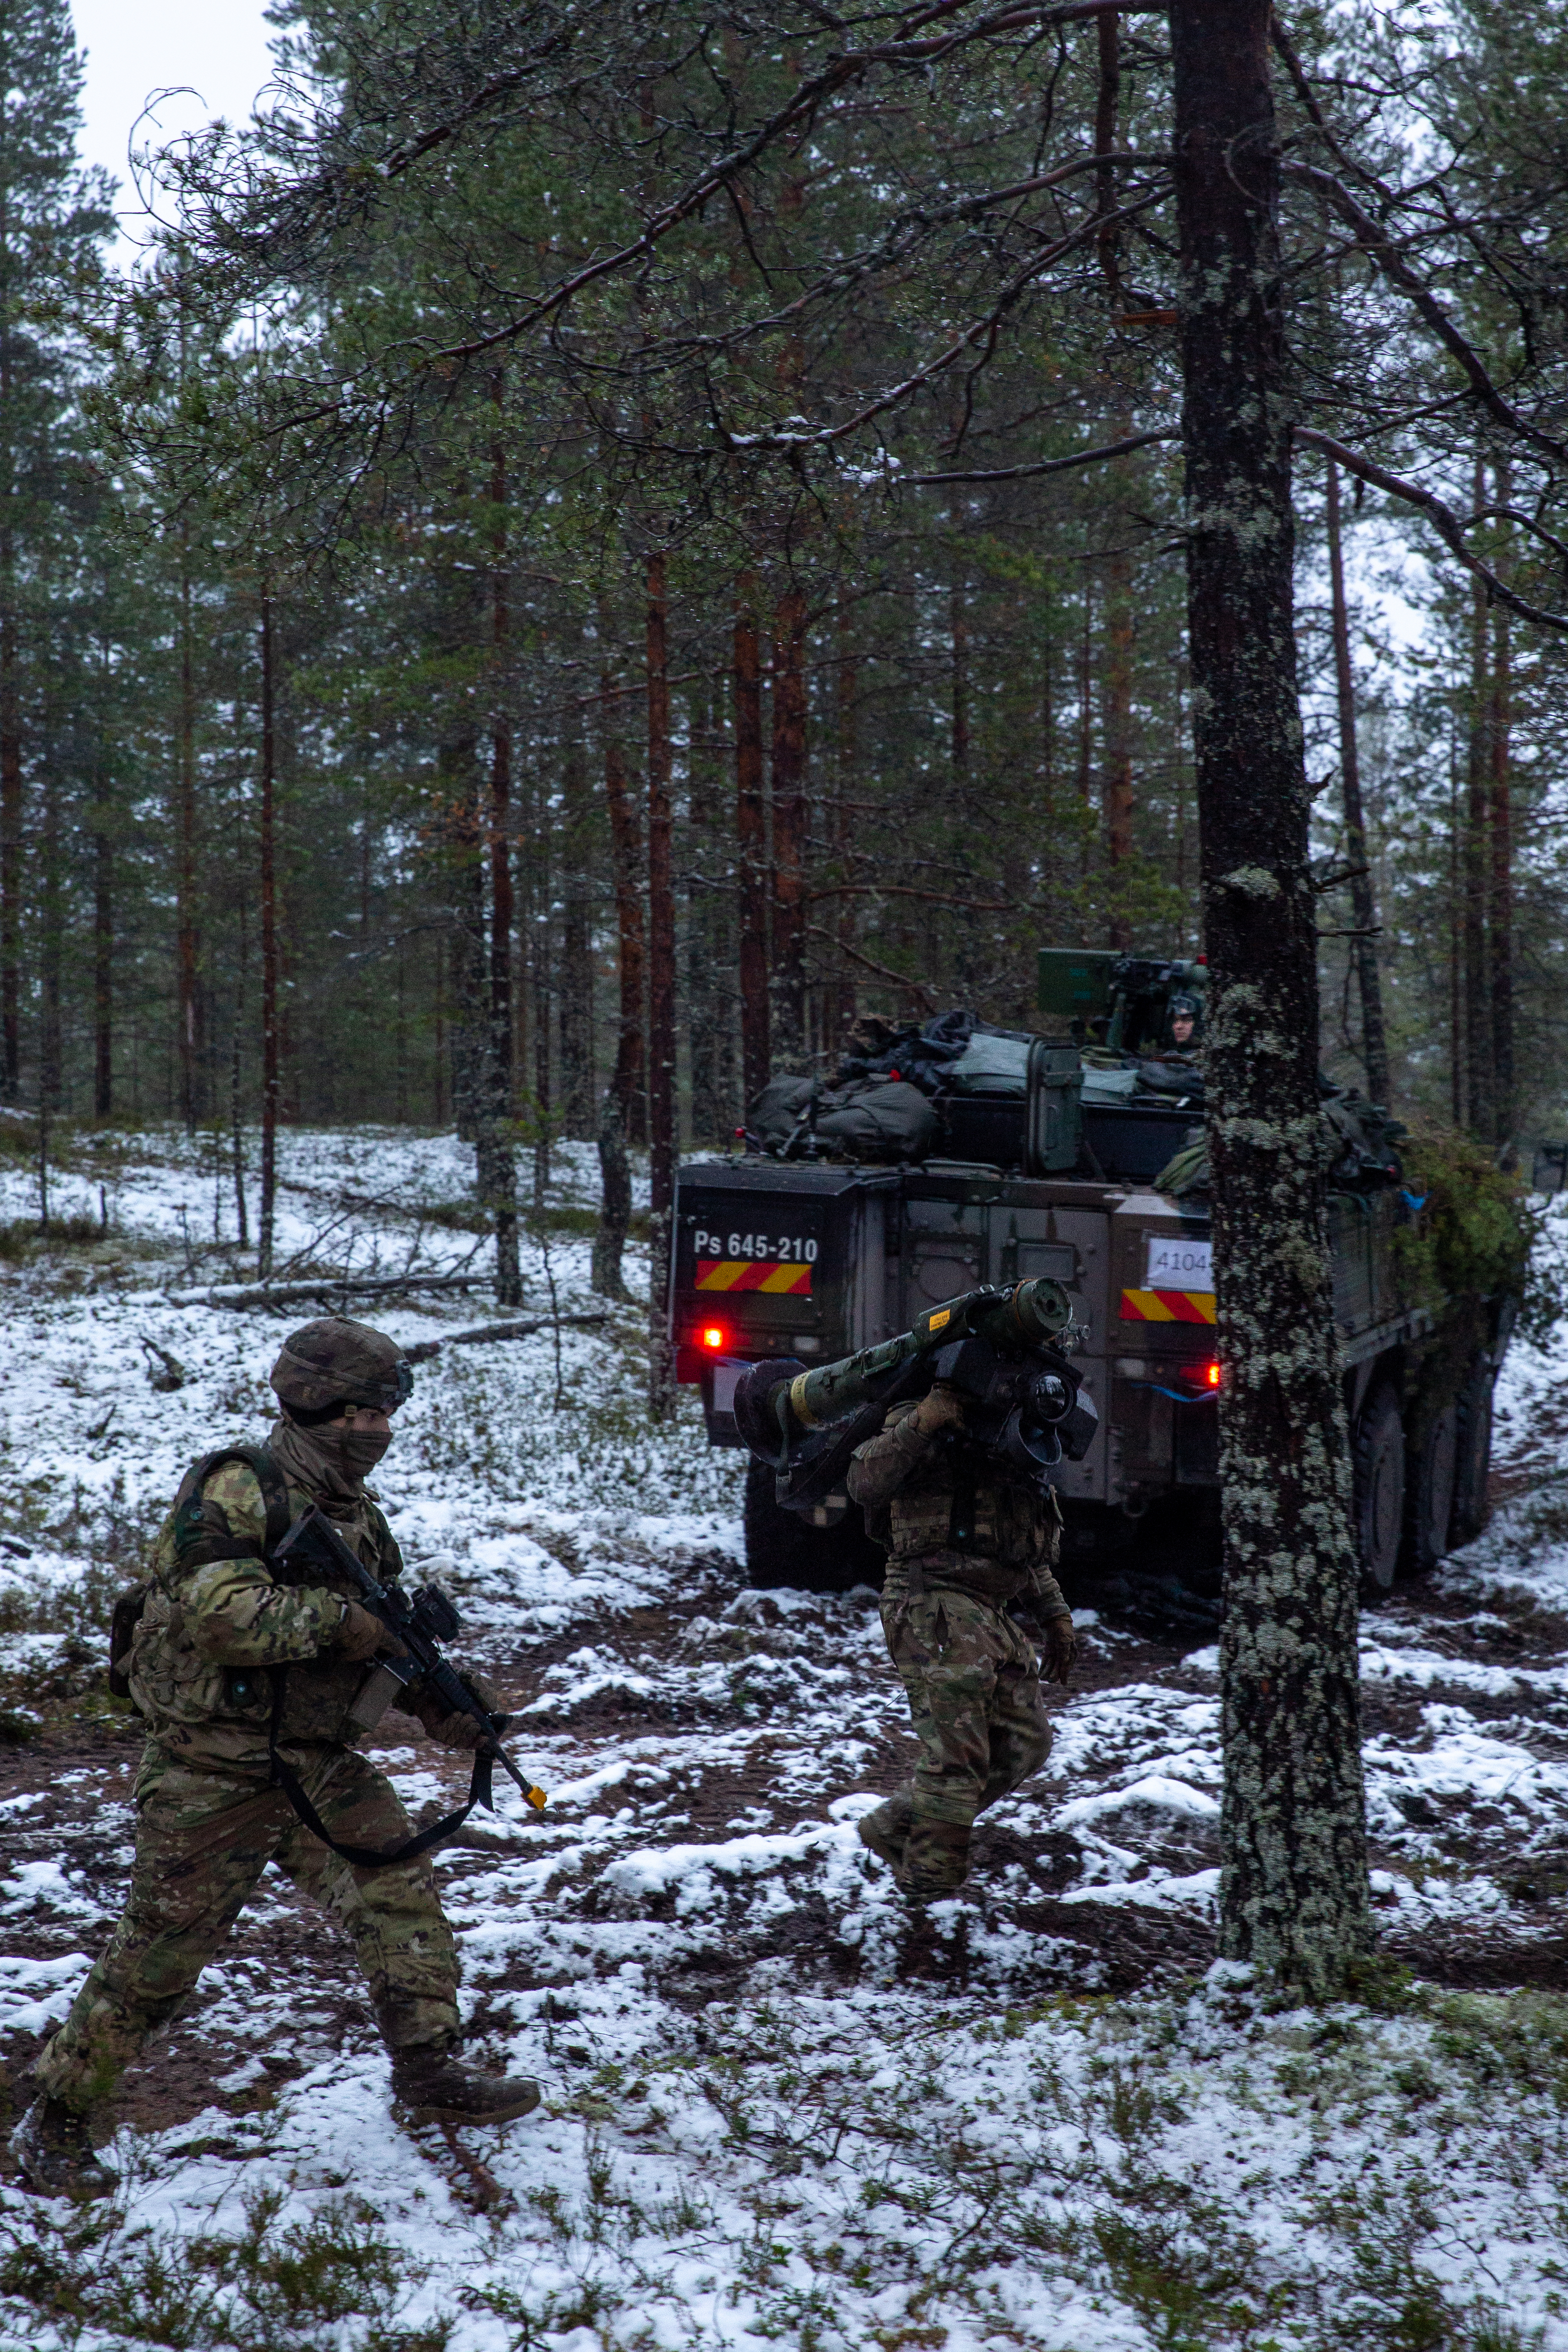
x=1167, y=1307
x=753, y=1274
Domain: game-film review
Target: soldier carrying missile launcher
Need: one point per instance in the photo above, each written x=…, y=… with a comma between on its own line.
x=975, y=1404
x=967, y=1535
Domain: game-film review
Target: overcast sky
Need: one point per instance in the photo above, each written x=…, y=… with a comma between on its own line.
x=217, y=48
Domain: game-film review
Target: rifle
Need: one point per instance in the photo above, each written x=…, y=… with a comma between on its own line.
x=420, y=1625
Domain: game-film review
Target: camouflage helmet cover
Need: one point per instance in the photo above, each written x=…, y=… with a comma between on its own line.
x=335, y=1361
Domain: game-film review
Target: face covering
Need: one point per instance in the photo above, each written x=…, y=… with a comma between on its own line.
x=361, y=1449
x=329, y=1462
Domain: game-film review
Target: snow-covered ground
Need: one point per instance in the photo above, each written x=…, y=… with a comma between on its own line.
x=777, y=2108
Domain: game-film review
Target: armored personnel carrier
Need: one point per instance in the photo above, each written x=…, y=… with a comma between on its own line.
x=962, y=1155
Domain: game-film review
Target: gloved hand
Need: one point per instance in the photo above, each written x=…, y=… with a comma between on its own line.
x=359, y=1634
x=1060, y=1649
x=943, y=1408
x=461, y=1731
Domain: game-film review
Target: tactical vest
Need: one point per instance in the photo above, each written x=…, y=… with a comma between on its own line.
x=170, y=1681
x=130, y=1606
x=986, y=1531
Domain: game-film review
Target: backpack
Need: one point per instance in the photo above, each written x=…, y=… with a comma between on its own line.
x=126, y=1612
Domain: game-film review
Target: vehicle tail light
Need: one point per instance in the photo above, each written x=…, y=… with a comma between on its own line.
x=714, y=1338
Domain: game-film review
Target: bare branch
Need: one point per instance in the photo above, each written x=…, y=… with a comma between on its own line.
x=1046, y=465
x=828, y=435
x=1381, y=248
x=884, y=972
x=1448, y=526
x=1009, y=906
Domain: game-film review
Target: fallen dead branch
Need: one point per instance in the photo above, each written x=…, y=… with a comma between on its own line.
x=325, y=1287
x=423, y=1349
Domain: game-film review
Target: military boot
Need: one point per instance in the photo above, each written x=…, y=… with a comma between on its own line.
x=436, y=2090
x=886, y=1831
x=935, y=1862
x=55, y=2154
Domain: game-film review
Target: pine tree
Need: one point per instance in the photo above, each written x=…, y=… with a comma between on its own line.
x=53, y=220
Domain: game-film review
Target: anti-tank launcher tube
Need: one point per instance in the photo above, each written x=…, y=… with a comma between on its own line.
x=807, y=1421
x=1034, y=1313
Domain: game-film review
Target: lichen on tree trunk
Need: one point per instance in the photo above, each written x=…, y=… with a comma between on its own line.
x=1294, y=1898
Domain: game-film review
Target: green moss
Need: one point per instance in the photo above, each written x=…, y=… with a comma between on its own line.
x=1476, y=1235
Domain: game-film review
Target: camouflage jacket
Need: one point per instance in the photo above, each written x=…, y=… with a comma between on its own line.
x=209, y=1633
x=949, y=1516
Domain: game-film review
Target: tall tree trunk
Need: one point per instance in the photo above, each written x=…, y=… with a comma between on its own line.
x=400, y=1044
x=1116, y=691
x=10, y=820
x=1045, y=829
x=270, y=1069
x=1500, y=912
x=662, y=1147
x=629, y=1078
x=706, y=993
x=614, y=1202
x=959, y=624
x=576, y=955
x=1363, y=897
x=624, y=1094
x=51, y=944
x=1108, y=35
x=1086, y=728
x=237, y=1135
x=438, y=1019
x=469, y=1032
x=789, y=824
x=103, y=966
x=494, y=1153
x=1116, y=683
x=1456, y=955
x=1478, y=1007
x=541, y=990
x=846, y=765
x=185, y=835
x=1294, y=1898
x=751, y=847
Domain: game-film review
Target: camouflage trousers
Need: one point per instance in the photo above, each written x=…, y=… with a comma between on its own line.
x=973, y=1681
x=203, y=1840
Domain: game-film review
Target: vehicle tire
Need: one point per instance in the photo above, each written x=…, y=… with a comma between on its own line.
x=1379, y=1456
x=1432, y=1491
x=1473, y=1463
x=785, y=1551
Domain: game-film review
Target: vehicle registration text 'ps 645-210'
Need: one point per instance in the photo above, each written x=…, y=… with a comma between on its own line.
x=794, y=1249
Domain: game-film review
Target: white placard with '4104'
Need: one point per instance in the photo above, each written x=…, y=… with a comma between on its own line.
x=1176, y=1263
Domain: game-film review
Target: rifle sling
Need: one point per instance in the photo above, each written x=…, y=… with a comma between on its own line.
x=368, y=1857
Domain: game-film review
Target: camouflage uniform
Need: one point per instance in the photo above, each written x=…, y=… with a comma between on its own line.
x=208, y=1821
x=964, y=1537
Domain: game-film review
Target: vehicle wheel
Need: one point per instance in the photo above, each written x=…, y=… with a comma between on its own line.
x=1473, y=1454
x=782, y=1549
x=1432, y=1492
x=1379, y=1451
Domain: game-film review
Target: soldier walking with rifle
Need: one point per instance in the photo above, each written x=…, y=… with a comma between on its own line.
x=275, y=1632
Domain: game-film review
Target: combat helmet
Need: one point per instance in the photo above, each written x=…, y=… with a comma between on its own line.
x=335, y=1361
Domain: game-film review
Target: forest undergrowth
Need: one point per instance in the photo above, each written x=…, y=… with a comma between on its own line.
x=1125, y=2155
